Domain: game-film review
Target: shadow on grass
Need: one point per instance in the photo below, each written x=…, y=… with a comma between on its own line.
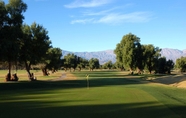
x=34, y=109
x=67, y=84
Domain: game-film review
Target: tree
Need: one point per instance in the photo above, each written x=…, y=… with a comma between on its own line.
x=34, y=45
x=3, y=20
x=119, y=56
x=128, y=52
x=150, y=57
x=108, y=65
x=169, y=66
x=69, y=61
x=93, y=64
x=52, y=61
x=161, y=65
x=181, y=64
x=11, y=30
x=82, y=63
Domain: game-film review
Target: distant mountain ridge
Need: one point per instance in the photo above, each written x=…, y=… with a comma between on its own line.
x=108, y=55
x=173, y=54
x=103, y=56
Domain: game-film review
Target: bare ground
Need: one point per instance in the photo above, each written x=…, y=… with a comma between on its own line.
x=65, y=76
x=172, y=80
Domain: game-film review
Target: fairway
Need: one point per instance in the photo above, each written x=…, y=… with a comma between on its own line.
x=110, y=94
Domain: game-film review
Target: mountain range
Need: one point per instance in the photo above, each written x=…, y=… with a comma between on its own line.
x=108, y=55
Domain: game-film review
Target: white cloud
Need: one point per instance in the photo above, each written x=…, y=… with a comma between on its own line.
x=116, y=18
x=91, y=3
x=98, y=13
x=82, y=21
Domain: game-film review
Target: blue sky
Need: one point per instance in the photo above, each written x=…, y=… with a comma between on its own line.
x=96, y=25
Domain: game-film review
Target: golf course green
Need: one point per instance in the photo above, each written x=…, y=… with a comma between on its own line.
x=104, y=94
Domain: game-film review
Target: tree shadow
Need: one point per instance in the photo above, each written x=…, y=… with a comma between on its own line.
x=67, y=84
x=58, y=110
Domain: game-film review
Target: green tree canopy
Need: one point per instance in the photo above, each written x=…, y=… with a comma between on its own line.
x=181, y=64
x=94, y=63
x=128, y=52
x=70, y=61
x=52, y=61
x=82, y=63
x=108, y=65
x=34, y=45
x=150, y=56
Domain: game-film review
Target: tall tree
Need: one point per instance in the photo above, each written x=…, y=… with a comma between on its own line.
x=34, y=45
x=119, y=56
x=3, y=20
x=150, y=57
x=12, y=30
x=128, y=52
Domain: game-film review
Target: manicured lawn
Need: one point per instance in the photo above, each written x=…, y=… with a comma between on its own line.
x=110, y=95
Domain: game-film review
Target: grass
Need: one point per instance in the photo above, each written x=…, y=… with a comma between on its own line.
x=23, y=76
x=111, y=95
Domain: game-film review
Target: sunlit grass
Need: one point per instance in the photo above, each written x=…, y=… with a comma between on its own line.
x=23, y=76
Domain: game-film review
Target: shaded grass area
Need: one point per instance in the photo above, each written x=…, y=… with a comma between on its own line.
x=112, y=95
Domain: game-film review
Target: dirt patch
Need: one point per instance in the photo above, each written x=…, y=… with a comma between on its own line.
x=69, y=76
x=65, y=76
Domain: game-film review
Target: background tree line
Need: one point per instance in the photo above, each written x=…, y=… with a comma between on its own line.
x=72, y=61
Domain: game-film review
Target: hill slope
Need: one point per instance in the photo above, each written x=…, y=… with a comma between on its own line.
x=108, y=55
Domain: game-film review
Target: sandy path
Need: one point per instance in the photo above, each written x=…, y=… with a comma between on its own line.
x=65, y=76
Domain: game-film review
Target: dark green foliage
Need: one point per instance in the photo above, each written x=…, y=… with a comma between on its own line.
x=107, y=65
x=34, y=45
x=11, y=19
x=82, y=63
x=70, y=61
x=163, y=66
x=169, y=66
x=128, y=52
x=181, y=64
x=93, y=64
x=150, y=57
x=52, y=61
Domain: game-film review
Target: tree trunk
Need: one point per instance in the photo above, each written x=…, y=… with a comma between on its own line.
x=8, y=76
x=131, y=71
x=44, y=70
x=28, y=71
